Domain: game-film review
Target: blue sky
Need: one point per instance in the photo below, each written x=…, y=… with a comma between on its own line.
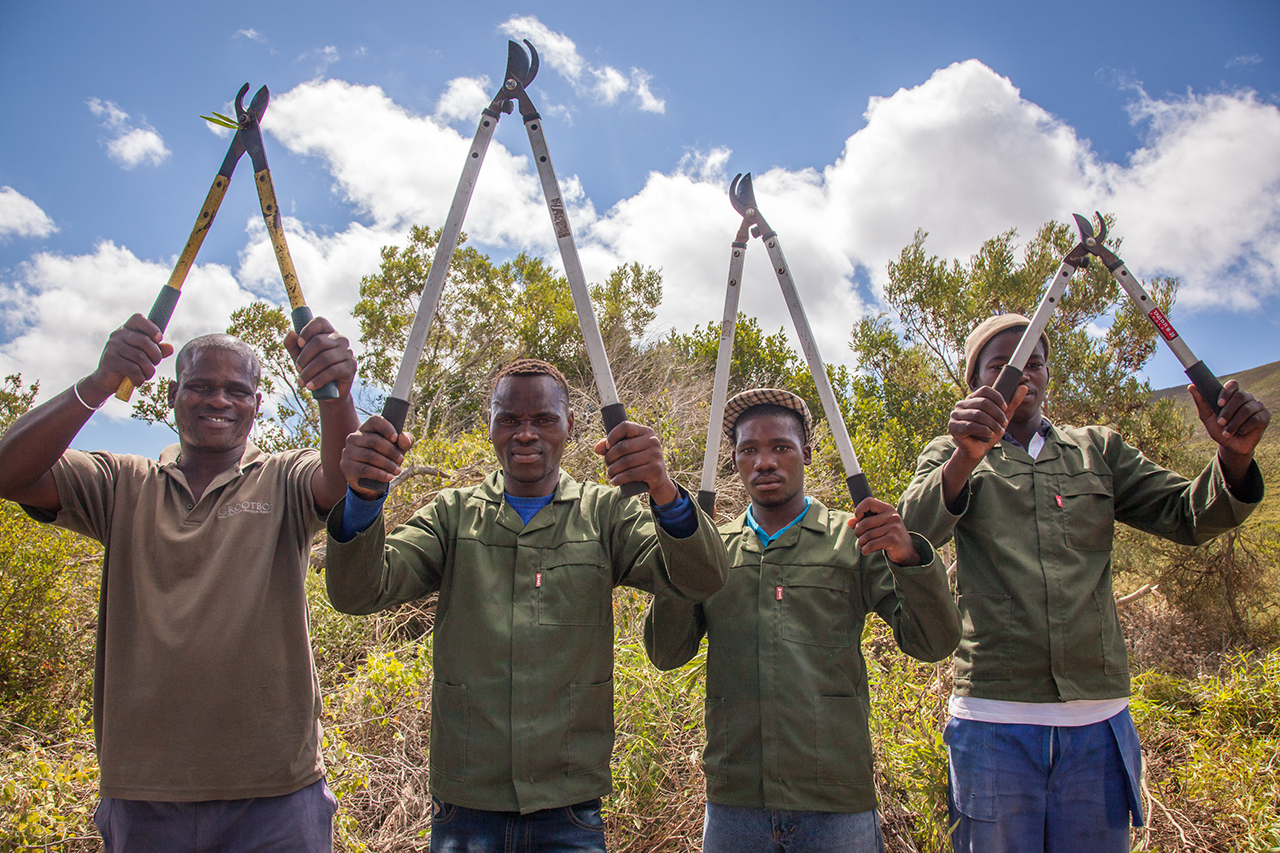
x=861, y=122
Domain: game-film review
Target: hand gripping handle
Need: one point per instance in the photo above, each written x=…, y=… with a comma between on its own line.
x=1007, y=382
x=1207, y=384
x=394, y=411
x=301, y=316
x=160, y=313
x=613, y=415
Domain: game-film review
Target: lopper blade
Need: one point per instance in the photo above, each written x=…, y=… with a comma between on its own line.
x=519, y=66
x=257, y=106
x=742, y=194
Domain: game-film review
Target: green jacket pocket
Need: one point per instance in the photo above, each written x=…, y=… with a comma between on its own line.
x=449, y=730
x=983, y=653
x=589, y=743
x=840, y=722
x=816, y=609
x=1088, y=511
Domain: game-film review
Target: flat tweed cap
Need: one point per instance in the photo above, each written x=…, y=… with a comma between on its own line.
x=739, y=404
x=982, y=335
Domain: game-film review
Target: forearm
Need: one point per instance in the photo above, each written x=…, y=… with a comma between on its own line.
x=35, y=441
x=338, y=419
x=673, y=630
x=925, y=620
x=1235, y=468
x=955, y=477
x=698, y=564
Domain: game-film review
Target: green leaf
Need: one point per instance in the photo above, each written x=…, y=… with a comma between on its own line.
x=221, y=120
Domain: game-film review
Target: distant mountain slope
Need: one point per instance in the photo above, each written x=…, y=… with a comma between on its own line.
x=1262, y=382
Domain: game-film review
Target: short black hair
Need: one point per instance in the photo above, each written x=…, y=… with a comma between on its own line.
x=197, y=347
x=530, y=367
x=767, y=409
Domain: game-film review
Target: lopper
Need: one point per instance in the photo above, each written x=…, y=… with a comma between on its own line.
x=248, y=137
x=1200, y=375
x=521, y=69
x=1011, y=374
x=742, y=196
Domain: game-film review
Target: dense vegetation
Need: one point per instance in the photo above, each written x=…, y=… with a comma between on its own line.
x=1207, y=671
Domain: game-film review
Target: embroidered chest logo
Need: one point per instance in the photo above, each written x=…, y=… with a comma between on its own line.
x=254, y=507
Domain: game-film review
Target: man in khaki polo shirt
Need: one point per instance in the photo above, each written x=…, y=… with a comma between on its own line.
x=206, y=704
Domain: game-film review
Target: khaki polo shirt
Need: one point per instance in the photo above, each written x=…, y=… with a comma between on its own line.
x=204, y=685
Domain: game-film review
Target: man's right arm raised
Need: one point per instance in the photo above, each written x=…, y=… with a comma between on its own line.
x=35, y=441
x=365, y=570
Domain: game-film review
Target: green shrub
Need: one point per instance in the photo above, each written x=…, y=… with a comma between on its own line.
x=48, y=606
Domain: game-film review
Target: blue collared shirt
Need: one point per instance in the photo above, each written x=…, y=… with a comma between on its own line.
x=765, y=538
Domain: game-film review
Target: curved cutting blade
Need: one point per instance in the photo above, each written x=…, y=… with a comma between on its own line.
x=741, y=194
x=519, y=66
x=257, y=106
x=1085, y=226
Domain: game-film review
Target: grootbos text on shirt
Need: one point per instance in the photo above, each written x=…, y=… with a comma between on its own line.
x=256, y=507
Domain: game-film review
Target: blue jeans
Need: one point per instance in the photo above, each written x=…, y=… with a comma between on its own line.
x=301, y=822
x=1058, y=789
x=455, y=829
x=733, y=829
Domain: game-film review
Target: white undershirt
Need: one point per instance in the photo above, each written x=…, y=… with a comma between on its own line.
x=1077, y=712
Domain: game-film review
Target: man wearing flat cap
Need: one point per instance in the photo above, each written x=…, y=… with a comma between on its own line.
x=1043, y=752
x=788, y=754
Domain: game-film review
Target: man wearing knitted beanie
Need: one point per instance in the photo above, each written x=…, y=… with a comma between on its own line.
x=1043, y=752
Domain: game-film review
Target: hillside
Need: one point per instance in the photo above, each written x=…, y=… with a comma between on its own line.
x=1262, y=382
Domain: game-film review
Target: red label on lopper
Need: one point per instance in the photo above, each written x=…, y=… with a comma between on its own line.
x=1161, y=323
x=778, y=592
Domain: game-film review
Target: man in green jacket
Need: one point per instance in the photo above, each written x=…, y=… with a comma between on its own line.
x=788, y=755
x=1044, y=754
x=525, y=565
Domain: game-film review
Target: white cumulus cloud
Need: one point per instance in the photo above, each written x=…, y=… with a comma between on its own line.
x=129, y=144
x=463, y=99
x=961, y=154
x=402, y=169
x=59, y=310
x=22, y=217
x=603, y=82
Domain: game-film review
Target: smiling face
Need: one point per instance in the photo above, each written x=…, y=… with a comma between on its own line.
x=1035, y=376
x=769, y=455
x=214, y=401
x=529, y=423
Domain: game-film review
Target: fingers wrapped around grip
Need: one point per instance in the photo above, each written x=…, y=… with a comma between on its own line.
x=374, y=453
x=879, y=528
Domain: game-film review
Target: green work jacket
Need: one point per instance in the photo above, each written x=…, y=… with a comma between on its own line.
x=787, y=702
x=1033, y=555
x=522, y=696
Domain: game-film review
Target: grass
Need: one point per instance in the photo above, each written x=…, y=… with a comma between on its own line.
x=1211, y=743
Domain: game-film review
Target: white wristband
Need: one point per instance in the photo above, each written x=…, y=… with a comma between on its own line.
x=75, y=388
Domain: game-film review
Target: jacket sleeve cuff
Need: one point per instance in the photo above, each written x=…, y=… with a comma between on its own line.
x=353, y=569
x=928, y=557
x=1250, y=493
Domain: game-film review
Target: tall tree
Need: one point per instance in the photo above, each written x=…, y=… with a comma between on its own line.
x=1093, y=370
